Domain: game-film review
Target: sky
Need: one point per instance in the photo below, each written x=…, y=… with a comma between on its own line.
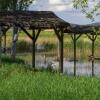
x=65, y=10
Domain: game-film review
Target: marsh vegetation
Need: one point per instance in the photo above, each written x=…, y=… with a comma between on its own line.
x=47, y=52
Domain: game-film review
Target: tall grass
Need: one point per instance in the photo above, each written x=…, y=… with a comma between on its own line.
x=50, y=42
x=18, y=82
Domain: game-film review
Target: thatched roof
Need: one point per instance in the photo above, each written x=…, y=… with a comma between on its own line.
x=89, y=28
x=43, y=20
x=32, y=19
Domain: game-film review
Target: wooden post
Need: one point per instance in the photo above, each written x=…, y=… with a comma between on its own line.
x=0, y=45
x=60, y=35
x=4, y=48
x=33, y=50
x=14, y=40
x=75, y=38
x=58, y=53
x=93, y=41
x=61, y=52
x=34, y=38
x=74, y=54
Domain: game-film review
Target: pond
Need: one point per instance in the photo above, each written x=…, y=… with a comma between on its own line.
x=83, y=67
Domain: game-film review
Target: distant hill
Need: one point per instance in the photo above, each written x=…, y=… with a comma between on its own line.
x=96, y=24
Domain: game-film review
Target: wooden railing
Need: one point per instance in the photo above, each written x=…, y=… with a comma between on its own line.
x=91, y=58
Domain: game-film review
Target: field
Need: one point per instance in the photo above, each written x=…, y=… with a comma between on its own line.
x=20, y=82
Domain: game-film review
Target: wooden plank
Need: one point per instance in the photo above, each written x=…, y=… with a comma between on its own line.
x=93, y=58
x=97, y=58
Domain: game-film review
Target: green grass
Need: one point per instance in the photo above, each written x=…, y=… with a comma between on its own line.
x=19, y=82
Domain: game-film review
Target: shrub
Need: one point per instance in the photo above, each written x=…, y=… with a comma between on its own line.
x=49, y=46
x=23, y=46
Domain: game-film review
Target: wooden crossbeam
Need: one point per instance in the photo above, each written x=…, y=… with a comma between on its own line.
x=28, y=34
x=77, y=36
x=37, y=34
x=24, y=30
x=57, y=33
x=92, y=37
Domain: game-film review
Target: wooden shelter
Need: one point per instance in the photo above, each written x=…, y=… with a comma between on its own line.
x=76, y=31
x=38, y=20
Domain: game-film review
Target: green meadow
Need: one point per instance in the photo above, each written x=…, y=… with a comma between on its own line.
x=20, y=82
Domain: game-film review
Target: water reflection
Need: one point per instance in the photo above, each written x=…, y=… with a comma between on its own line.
x=83, y=67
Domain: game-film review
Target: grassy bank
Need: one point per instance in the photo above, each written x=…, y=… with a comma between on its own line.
x=19, y=82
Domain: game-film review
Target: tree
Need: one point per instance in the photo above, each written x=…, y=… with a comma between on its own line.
x=4, y=4
x=14, y=4
x=19, y=4
x=83, y=5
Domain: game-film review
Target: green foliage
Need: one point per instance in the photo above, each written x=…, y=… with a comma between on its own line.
x=47, y=34
x=9, y=60
x=83, y=5
x=80, y=3
x=24, y=46
x=14, y=4
x=49, y=46
x=18, y=82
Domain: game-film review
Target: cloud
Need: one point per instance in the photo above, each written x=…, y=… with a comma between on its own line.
x=57, y=5
x=64, y=9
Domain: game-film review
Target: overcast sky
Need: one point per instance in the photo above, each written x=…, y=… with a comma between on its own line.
x=65, y=10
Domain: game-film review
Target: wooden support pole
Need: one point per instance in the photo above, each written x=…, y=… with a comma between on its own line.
x=60, y=36
x=61, y=42
x=93, y=41
x=4, y=48
x=58, y=53
x=74, y=40
x=33, y=49
x=0, y=45
x=34, y=39
x=61, y=52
